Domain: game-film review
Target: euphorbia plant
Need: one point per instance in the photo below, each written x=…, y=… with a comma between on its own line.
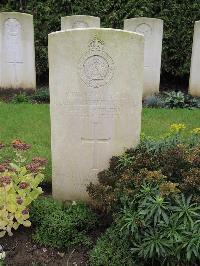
x=19, y=186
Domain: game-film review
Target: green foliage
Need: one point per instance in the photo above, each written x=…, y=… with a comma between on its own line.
x=22, y=97
x=170, y=160
x=19, y=187
x=60, y=226
x=156, y=226
x=163, y=229
x=41, y=207
x=41, y=95
x=172, y=99
x=180, y=100
x=178, y=16
x=112, y=249
x=175, y=99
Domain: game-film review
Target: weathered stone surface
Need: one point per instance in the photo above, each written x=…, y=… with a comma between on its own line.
x=152, y=29
x=96, y=79
x=17, y=54
x=79, y=21
x=194, y=87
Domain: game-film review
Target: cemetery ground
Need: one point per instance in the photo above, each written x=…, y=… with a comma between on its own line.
x=31, y=124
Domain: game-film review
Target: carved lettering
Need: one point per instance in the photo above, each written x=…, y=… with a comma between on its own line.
x=80, y=24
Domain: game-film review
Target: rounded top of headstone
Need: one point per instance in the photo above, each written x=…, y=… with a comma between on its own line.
x=143, y=25
x=145, y=19
x=79, y=21
x=99, y=30
x=14, y=14
x=80, y=16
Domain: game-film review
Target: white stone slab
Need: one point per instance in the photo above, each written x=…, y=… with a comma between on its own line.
x=17, y=54
x=194, y=86
x=96, y=78
x=79, y=21
x=152, y=29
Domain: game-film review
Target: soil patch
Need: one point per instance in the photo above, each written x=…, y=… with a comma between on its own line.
x=21, y=251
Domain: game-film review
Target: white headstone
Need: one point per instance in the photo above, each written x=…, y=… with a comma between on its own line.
x=152, y=29
x=17, y=54
x=96, y=101
x=79, y=21
x=194, y=86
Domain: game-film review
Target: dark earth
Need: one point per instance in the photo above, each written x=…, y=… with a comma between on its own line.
x=20, y=250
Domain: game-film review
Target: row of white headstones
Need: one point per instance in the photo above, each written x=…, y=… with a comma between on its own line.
x=17, y=54
x=96, y=80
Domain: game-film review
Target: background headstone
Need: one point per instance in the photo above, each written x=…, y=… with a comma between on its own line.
x=79, y=21
x=17, y=54
x=152, y=29
x=194, y=87
x=96, y=79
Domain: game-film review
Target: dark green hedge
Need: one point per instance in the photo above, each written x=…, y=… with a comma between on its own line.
x=178, y=15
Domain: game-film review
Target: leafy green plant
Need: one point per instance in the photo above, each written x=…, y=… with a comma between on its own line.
x=187, y=212
x=61, y=226
x=41, y=207
x=156, y=226
x=175, y=99
x=172, y=99
x=162, y=228
x=22, y=97
x=58, y=230
x=41, y=95
x=178, y=99
x=172, y=159
x=112, y=249
x=19, y=187
x=124, y=161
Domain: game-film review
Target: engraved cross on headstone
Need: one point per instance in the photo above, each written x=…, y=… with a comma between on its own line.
x=14, y=64
x=95, y=141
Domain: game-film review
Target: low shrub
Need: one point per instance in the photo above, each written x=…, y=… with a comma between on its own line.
x=60, y=226
x=172, y=158
x=22, y=97
x=112, y=249
x=156, y=225
x=41, y=95
x=175, y=99
x=41, y=207
x=19, y=187
x=172, y=99
x=163, y=228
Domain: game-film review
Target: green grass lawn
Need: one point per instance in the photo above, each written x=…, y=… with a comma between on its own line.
x=31, y=123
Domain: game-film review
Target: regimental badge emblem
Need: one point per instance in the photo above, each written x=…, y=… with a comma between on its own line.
x=96, y=66
x=144, y=29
